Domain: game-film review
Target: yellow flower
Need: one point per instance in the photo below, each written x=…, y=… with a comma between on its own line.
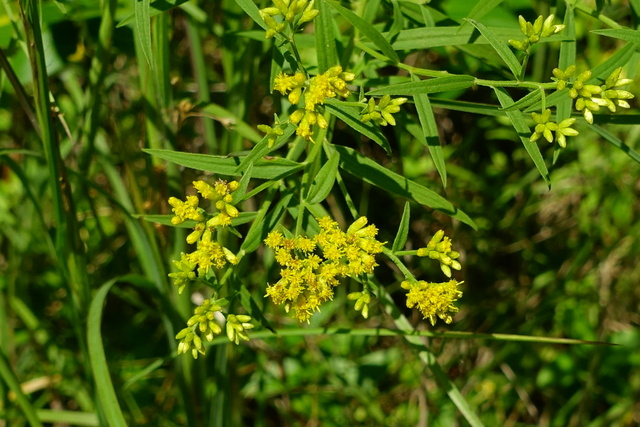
x=312, y=266
x=185, y=210
x=433, y=299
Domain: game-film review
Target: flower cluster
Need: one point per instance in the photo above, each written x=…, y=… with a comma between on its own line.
x=317, y=89
x=439, y=247
x=541, y=28
x=283, y=12
x=433, y=299
x=544, y=127
x=209, y=252
x=203, y=325
x=382, y=113
x=590, y=97
x=312, y=267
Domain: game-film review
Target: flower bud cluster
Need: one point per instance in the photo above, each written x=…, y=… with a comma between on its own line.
x=546, y=128
x=237, y=327
x=439, y=247
x=590, y=97
x=541, y=28
x=209, y=252
x=203, y=326
x=287, y=12
x=382, y=112
x=312, y=266
x=362, y=300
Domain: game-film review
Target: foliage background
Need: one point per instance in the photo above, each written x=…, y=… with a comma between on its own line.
x=555, y=263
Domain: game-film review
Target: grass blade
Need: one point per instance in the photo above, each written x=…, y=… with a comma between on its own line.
x=10, y=379
x=108, y=400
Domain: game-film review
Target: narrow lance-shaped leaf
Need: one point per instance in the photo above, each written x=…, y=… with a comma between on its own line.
x=272, y=168
x=520, y=125
x=325, y=38
x=434, y=85
x=500, y=47
x=324, y=180
x=367, y=29
x=351, y=116
x=403, y=230
x=431, y=134
x=376, y=174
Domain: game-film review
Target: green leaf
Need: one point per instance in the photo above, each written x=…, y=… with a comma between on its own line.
x=351, y=116
x=430, y=37
x=143, y=28
x=434, y=85
x=9, y=378
x=240, y=192
x=326, y=36
x=156, y=8
x=373, y=173
x=324, y=180
x=74, y=418
x=403, y=230
x=500, y=46
x=625, y=34
x=250, y=305
x=616, y=142
x=251, y=9
x=482, y=8
x=604, y=69
x=229, y=120
x=262, y=149
x=367, y=29
x=467, y=107
x=271, y=168
x=430, y=134
x=520, y=125
x=107, y=398
x=525, y=101
x=264, y=223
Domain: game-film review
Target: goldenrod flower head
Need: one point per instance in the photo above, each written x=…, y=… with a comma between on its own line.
x=440, y=248
x=331, y=83
x=312, y=266
x=185, y=210
x=285, y=84
x=433, y=299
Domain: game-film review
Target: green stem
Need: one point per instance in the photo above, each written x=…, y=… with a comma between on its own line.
x=407, y=274
x=523, y=71
x=512, y=83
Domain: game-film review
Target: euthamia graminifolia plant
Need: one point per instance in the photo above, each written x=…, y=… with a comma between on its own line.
x=316, y=259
